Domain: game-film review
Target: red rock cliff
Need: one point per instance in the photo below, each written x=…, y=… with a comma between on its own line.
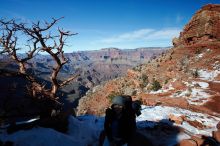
x=204, y=26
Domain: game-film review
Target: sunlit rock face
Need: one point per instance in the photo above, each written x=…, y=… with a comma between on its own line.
x=204, y=26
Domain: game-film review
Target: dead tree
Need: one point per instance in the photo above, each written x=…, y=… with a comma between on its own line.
x=38, y=38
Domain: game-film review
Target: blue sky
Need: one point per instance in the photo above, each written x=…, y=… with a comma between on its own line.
x=109, y=23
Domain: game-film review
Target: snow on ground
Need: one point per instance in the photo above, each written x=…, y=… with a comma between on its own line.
x=179, y=93
x=200, y=55
x=198, y=97
x=208, y=75
x=203, y=85
x=194, y=94
x=39, y=137
x=85, y=130
x=216, y=65
x=161, y=113
x=187, y=84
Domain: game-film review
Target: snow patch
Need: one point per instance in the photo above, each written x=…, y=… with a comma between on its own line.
x=200, y=55
x=216, y=65
x=161, y=113
x=203, y=85
x=40, y=137
x=198, y=97
x=82, y=131
x=187, y=84
x=182, y=136
x=85, y=129
x=185, y=93
x=208, y=75
x=194, y=95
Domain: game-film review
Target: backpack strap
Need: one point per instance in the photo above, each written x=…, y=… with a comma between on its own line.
x=107, y=124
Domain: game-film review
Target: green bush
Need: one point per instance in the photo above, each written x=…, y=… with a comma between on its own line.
x=166, y=81
x=198, y=51
x=144, y=80
x=195, y=73
x=155, y=85
x=144, y=77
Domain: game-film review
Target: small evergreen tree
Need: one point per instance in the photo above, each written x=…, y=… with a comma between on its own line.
x=195, y=73
x=144, y=80
x=156, y=85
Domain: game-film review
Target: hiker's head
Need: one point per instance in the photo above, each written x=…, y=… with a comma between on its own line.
x=118, y=100
x=118, y=103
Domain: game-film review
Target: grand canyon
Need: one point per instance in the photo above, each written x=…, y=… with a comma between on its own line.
x=178, y=86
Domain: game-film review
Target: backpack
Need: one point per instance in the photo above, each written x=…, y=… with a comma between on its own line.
x=136, y=106
x=120, y=128
x=129, y=105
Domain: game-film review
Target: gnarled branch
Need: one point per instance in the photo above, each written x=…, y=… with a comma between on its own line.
x=39, y=37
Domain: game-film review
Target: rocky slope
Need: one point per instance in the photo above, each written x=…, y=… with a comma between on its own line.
x=188, y=73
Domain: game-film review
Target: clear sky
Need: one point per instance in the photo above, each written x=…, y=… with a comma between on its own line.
x=110, y=23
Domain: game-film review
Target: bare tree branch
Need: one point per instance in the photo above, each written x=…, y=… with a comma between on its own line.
x=67, y=81
x=40, y=40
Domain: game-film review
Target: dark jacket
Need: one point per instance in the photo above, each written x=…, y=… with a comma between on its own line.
x=126, y=125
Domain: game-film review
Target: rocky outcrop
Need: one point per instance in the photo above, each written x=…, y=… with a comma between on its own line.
x=218, y=126
x=176, y=119
x=204, y=26
x=199, y=140
x=187, y=142
x=216, y=135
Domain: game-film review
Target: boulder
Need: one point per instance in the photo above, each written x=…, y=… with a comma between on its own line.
x=187, y=142
x=198, y=138
x=196, y=124
x=176, y=119
x=175, y=42
x=216, y=135
x=218, y=126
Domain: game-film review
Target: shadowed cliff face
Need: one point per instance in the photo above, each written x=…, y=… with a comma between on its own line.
x=189, y=73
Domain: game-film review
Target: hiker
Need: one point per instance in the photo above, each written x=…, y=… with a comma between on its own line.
x=120, y=123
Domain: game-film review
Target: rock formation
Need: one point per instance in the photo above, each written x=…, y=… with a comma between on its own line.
x=204, y=26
